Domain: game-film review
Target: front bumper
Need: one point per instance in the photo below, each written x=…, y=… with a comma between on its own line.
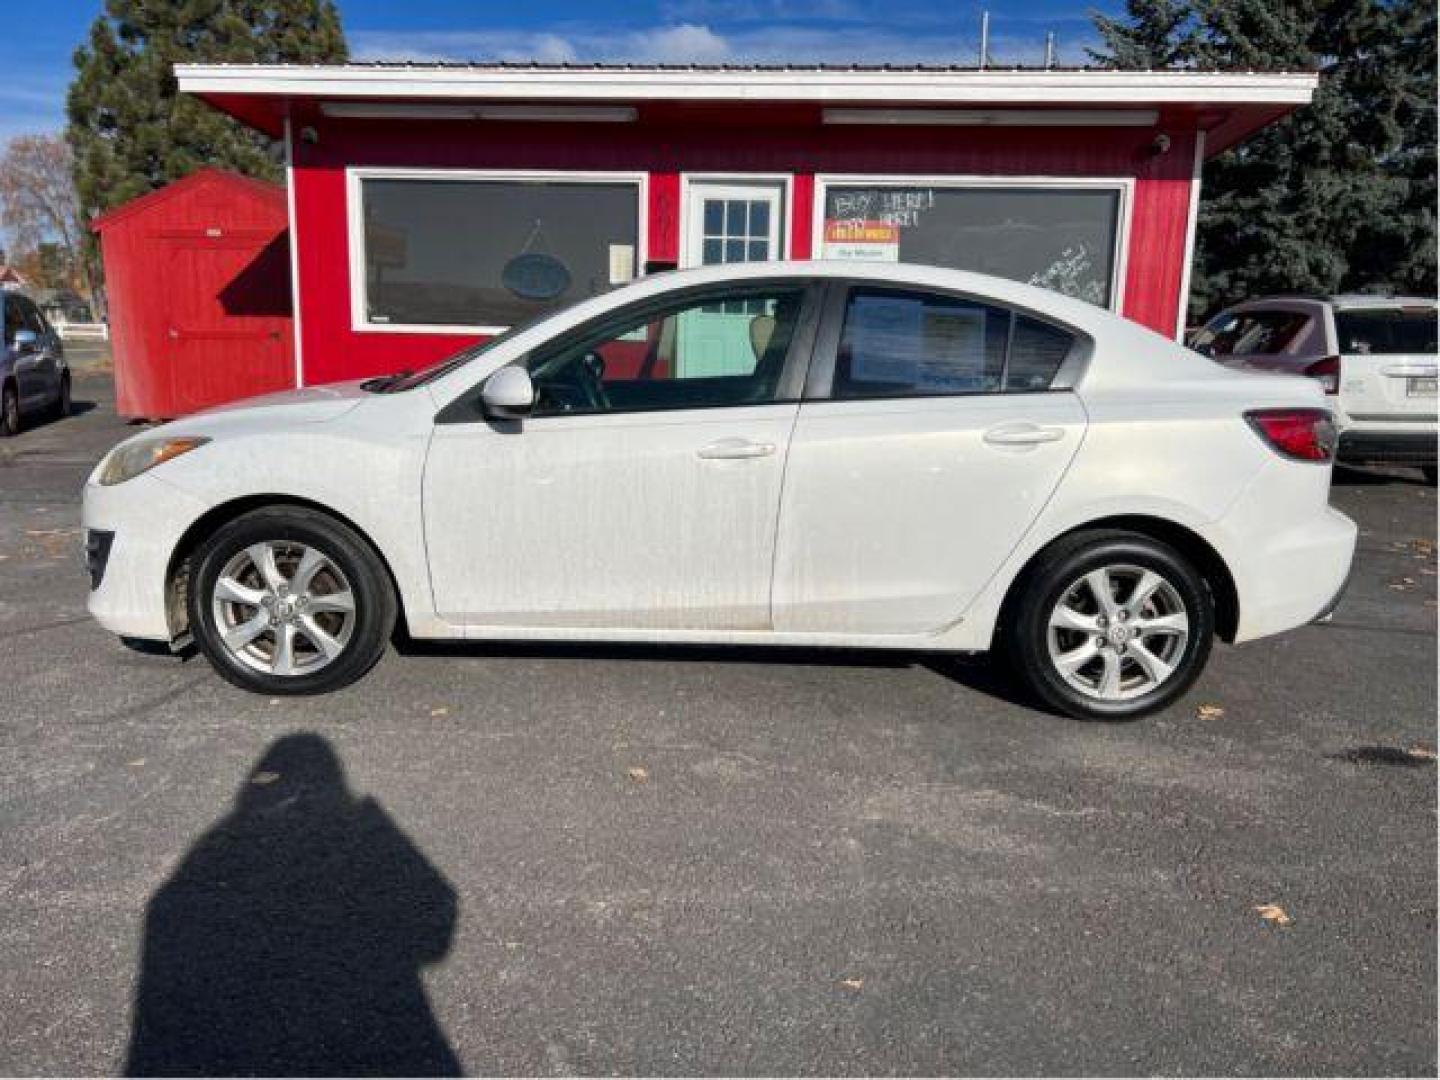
x=146, y=519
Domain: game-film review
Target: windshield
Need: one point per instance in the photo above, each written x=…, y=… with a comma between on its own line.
x=461, y=358
x=1386, y=331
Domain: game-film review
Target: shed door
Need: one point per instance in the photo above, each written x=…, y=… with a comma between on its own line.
x=228, y=321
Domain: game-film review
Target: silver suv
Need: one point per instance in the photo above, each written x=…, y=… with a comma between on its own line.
x=34, y=377
x=1375, y=356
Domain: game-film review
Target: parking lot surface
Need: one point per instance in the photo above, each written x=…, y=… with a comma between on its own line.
x=598, y=860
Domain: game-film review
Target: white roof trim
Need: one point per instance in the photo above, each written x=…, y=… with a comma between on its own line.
x=1119, y=88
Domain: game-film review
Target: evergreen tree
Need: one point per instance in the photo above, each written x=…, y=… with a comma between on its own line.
x=129, y=129
x=1341, y=194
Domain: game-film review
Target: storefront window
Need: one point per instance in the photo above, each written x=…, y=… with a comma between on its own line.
x=1056, y=237
x=491, y=252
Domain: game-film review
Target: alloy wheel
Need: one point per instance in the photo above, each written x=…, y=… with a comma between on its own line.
x=283, y=608
x=1118, y=632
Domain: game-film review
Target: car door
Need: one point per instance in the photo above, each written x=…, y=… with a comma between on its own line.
x=638, y=494
x=933, y=431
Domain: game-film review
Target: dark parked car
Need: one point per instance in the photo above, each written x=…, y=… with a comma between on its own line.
x=34, y=378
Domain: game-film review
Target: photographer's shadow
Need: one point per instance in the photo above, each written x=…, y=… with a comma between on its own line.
x=290, y=940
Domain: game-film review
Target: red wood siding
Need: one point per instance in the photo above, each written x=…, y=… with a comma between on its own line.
x=725, y=143
x=198, y=278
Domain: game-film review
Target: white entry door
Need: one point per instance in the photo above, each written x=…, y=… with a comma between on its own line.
x=727, y=221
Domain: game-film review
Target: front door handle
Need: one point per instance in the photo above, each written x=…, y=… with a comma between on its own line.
x=1022, y=434
x=735, y=449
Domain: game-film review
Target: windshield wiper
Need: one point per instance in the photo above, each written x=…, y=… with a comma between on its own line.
x=382, y=384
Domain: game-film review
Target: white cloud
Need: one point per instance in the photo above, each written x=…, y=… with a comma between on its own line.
x=696, y=43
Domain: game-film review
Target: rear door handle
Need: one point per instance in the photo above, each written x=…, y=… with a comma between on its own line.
x=1022, y=434
x=734, y=449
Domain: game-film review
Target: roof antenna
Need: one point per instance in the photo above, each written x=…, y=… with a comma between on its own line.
x=1049, y=49
x=984, y=39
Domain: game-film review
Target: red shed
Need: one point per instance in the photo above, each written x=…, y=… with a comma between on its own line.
x=425, y=195
x=198, y=276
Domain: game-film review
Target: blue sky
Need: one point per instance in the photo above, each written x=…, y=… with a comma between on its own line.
x=35, y=52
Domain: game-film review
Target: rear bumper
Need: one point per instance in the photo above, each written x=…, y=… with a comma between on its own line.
x=1390, y=447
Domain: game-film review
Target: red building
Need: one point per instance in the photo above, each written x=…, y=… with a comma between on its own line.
x=198, y=277
x=434, y=204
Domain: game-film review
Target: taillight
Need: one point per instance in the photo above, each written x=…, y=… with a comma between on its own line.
x=1302, y=434
x=1326, y=372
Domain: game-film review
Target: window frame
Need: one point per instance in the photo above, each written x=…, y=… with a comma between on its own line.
x=820, y=381
x=1123, y=185
x=355, y=176
x=789, y=390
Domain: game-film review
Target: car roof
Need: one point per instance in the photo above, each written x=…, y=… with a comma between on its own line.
x=1338, y=301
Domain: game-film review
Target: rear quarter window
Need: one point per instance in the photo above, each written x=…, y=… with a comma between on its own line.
x=1386, y=331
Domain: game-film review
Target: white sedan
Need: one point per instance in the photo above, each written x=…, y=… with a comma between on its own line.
x=882, y=456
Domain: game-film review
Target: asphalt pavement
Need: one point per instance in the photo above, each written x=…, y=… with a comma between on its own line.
x=548, y=860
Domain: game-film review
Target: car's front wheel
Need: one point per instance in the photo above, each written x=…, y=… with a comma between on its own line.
x=288, y=600
x=1110, y=625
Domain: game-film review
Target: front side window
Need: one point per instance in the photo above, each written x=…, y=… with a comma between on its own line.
x=490, y=252
x=1059, y=238
x=897, y=343
x=13, y=325
x=722, y=348
x=1386, y=331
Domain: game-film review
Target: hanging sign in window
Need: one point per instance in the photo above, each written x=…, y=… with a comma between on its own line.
x=862, y=240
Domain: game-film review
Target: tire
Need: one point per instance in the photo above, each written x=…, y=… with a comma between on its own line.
x=291, y=627
x=1060, y=588
x=9, y=411
x=1428, y=471
x=62, y=402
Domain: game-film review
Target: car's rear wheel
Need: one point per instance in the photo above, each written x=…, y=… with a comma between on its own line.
x=1110, y=625
x=290, y=601
x=9, y=411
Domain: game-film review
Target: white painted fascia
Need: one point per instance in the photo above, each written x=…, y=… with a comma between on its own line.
x=420, y=81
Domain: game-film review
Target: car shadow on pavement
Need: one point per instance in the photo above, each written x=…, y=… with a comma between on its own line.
x=979, y=672
x=290, y=940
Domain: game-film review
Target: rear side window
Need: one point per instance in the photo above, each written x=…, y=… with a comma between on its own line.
x=12, y=320
x=1251, y=333
x=1386, y=332
x=30, y=316
x=901, y=343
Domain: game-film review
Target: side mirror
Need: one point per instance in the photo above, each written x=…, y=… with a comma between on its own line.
x=508, y=394
x=26, y=341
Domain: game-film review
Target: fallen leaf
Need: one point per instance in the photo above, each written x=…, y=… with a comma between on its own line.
x=637, y=774
x=852, y=984
x=1210, y=712
x=1274, y=913
x=1424, y=753
x=440, y=710
x=265, y=778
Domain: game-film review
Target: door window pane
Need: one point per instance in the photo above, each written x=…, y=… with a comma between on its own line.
x=1059, y=238
x=896, y=343
x=715, y=350
x=490, y=252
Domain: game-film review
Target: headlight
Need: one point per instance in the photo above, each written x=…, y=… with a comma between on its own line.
x=129, y=461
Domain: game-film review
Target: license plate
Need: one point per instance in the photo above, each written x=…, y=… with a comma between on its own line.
x=1420, y=387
